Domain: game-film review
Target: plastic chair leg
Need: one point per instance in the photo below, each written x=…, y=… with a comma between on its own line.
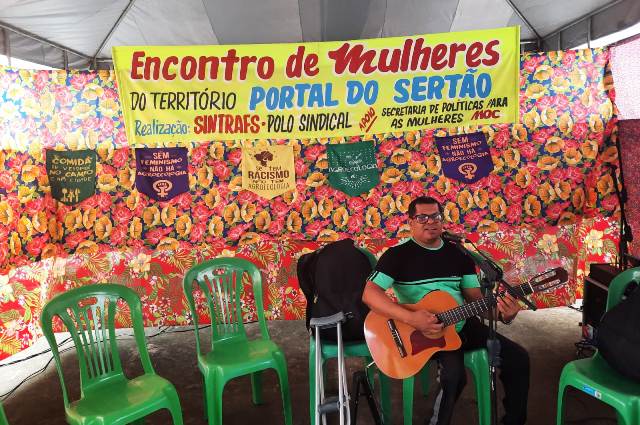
x=407, y=393
x=283, y=377
x=256, y=387
x=217, y=404
x=213, y=388
x=407, y=400
x=630, y=415
x=385, y=398
x=206, y=397
x=424, y=379
x=559, y=410
x=176, y=415
x=174, y=408
x=478, y=363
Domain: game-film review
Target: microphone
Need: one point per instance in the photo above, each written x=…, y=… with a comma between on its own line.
x=453, y=237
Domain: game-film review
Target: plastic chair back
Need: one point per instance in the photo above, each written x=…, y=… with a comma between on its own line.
x=89, y=314
x=220, y=280
x=370, y=256
x=616, y=291
x=619, y=285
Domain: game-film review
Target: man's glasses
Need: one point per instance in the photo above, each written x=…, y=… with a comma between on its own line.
x=424, y=218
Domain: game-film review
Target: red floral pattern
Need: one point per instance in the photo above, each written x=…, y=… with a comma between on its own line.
x=157, y=275
x=540, y=203
x=630, y=151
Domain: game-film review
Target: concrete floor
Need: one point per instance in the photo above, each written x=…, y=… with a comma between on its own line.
x=548, y=334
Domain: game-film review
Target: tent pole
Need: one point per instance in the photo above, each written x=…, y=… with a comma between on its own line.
x=111, y=31
x=582, y=18
x=525, y=20
x=7, y=45
x=559, y=41
x=41, y=39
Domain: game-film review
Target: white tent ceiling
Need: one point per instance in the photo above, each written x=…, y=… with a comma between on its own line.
x=80, y=34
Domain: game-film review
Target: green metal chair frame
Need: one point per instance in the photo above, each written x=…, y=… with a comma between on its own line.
x=231, y=353
x=477, y=361
x=595, y=377
x=107, y=396
x=3, y=417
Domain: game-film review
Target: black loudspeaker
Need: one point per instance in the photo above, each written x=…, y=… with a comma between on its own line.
x=596, y=287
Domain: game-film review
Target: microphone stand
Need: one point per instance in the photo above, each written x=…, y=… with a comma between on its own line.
x=492, y=274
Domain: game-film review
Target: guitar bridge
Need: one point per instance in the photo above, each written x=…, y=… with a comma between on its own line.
x=396, y=338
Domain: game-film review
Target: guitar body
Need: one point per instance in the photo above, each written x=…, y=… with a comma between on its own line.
x=419, y=348
x=401, y=351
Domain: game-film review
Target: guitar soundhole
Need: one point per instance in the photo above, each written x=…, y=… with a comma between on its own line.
x=419, y=342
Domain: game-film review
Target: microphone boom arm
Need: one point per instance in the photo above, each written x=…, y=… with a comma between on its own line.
x=492, y=271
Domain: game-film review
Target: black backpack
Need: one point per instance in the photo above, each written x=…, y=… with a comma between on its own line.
x=619, y=335
x=332, y=279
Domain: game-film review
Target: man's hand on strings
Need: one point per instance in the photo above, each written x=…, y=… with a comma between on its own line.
x=508, y=307
x=426, y=322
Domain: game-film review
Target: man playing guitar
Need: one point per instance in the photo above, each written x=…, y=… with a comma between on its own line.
x=426, y=263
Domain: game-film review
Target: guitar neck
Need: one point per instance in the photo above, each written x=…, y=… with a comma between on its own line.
x=480, y=306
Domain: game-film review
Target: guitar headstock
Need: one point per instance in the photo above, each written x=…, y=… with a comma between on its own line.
x=549, y=280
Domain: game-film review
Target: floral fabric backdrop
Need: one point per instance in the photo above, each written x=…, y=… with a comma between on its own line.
x=157, y=275
x=630, y=152
x=550, y=173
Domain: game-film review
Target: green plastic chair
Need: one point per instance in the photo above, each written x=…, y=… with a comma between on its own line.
x=231, y=353
x=350, y=349
x=478, y=362
x=107, y=396
x=3, y=417
x=595, y=377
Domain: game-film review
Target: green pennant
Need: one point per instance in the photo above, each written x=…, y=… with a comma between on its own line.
x=352, y=167
x=72, y=175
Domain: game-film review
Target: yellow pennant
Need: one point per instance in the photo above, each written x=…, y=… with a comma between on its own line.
x=268, y=171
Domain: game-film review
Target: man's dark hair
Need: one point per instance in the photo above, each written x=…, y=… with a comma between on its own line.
x=422, y=200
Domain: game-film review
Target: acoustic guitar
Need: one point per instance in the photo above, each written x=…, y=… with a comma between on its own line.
x=401, y=351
